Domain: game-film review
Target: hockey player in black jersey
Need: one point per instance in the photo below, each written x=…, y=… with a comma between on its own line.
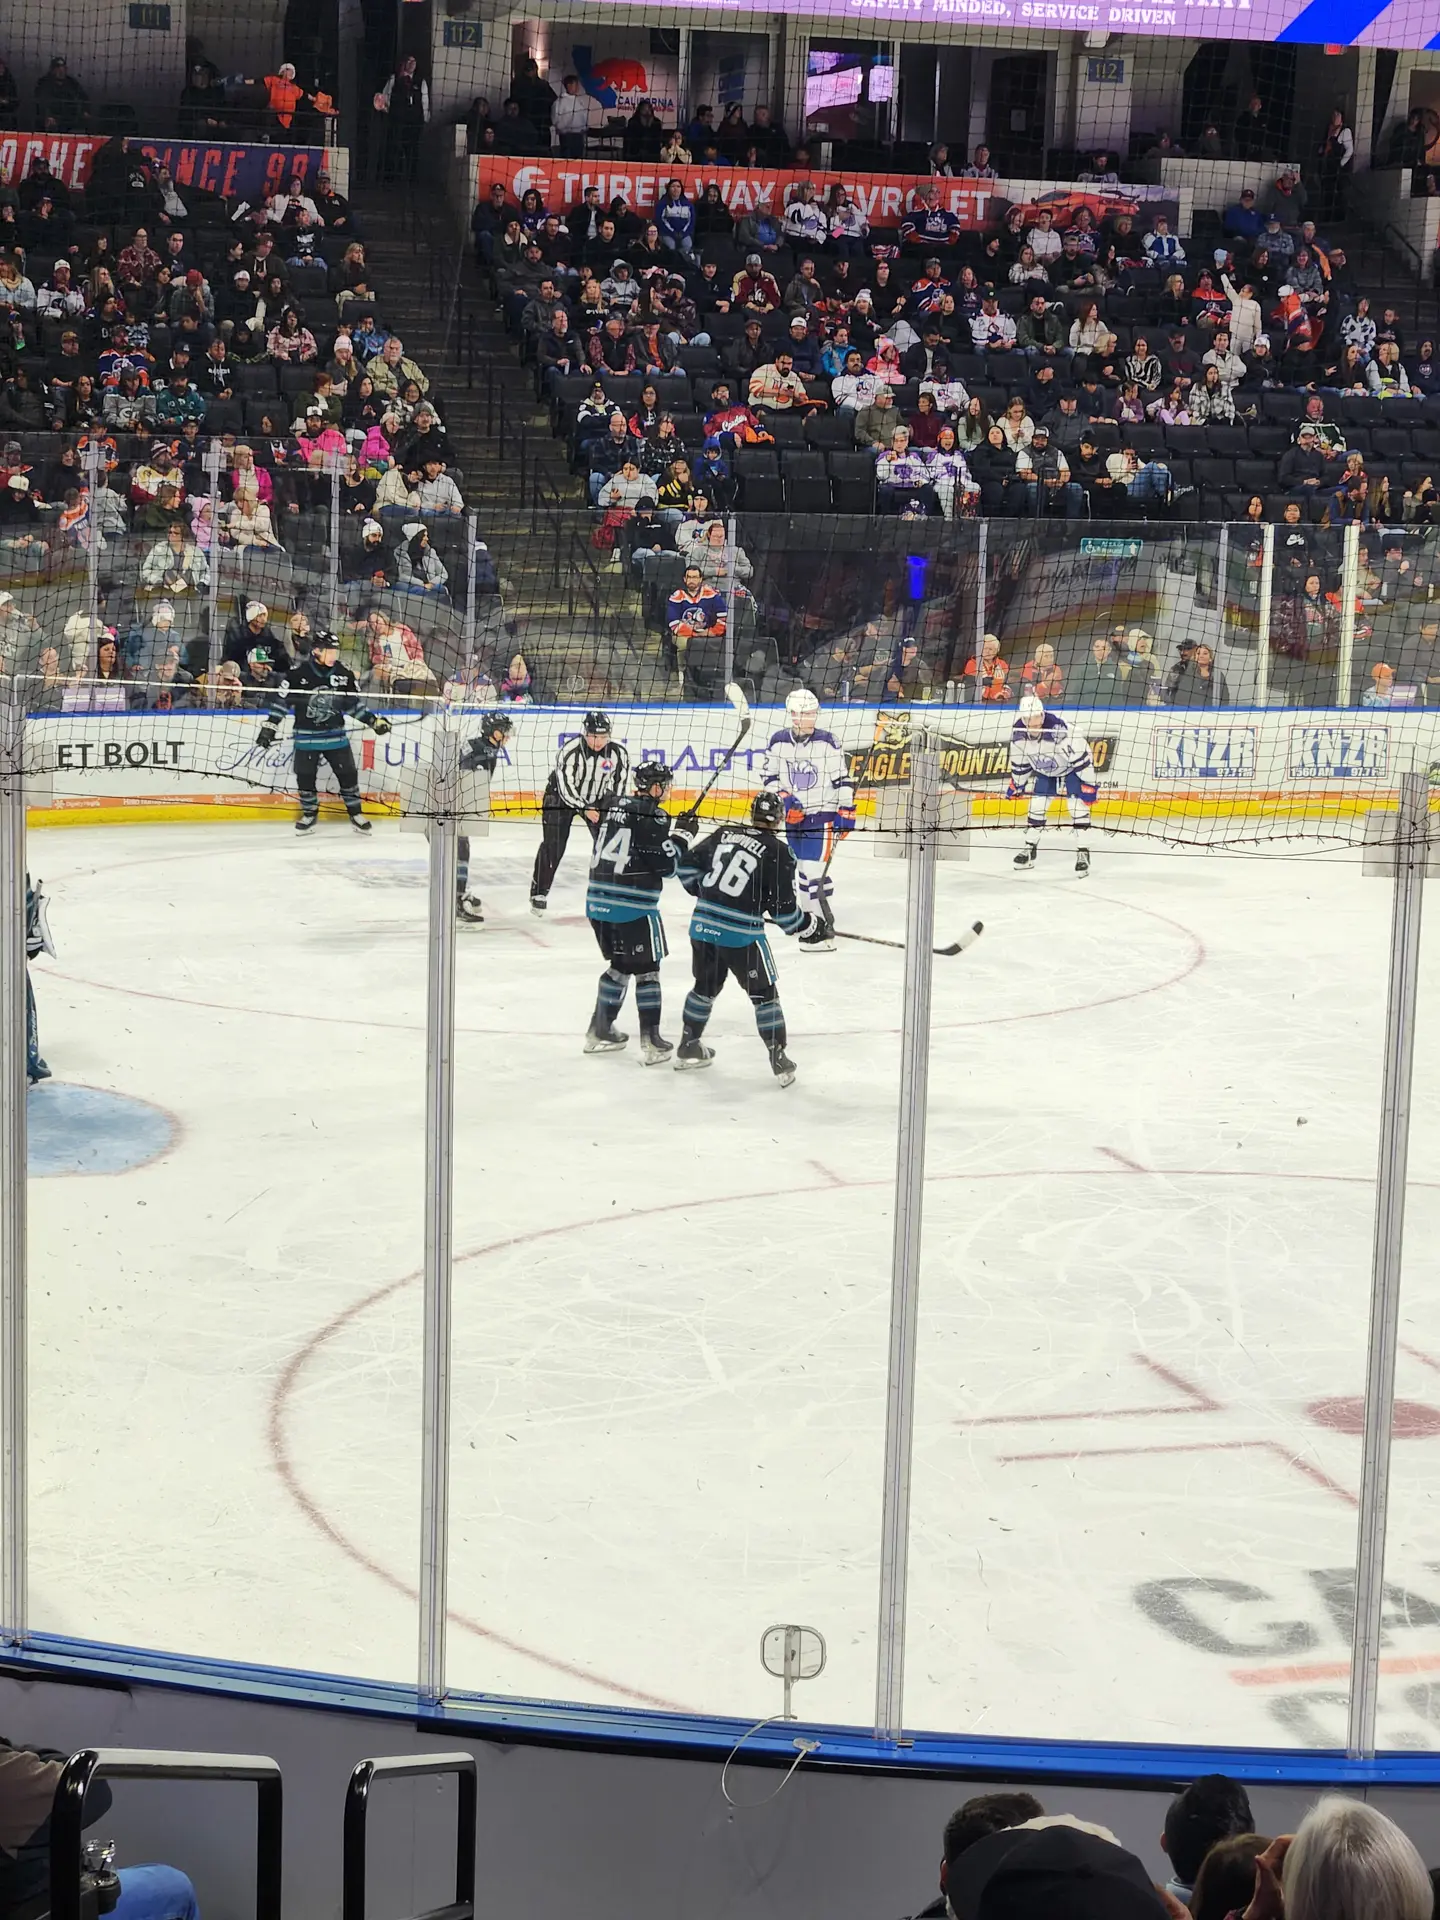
x=322, y=694
x=588, y=774
x=479, y=758
x=637, y=848
x=740, y=877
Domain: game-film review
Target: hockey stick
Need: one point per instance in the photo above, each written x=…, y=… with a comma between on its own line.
x=735, y=695
x=956, y=946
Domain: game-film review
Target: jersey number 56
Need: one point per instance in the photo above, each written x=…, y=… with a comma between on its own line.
x=731, y=871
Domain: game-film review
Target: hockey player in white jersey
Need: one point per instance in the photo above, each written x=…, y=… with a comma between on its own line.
x=807, y=769
x=1048, y=756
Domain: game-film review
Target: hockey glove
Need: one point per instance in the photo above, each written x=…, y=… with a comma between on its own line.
x=1088, y=791
x=379, y=724
x=794, y=810
x=815, y=925
x=845, y=821
x=687, y=823
x=1017, y=789
x=266, y=736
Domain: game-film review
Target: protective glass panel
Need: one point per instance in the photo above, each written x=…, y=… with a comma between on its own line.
x=671, y=1296
x=227, y=1165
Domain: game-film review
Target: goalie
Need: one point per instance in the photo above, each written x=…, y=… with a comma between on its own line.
x=1046, y=756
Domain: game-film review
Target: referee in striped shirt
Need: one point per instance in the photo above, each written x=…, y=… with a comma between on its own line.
x=587, y=775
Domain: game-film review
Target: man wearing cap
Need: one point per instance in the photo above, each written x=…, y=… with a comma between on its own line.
x=1163, y=249
x=1053, y=1866
x=1055, y=489
x=928, y=223
x=991, y=330
x=1287, y=199
x=321, y=694
x=333, y=208
x=804, y=349
x=753, y=288
x=1302, y=467
x=202, y=104
x=61, y=103
x=370, y=558
x=250, y=628
x=20, y=521
x=1242, y=220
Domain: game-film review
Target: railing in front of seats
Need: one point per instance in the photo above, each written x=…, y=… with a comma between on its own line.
x=67, y=1817
x=357, y=1807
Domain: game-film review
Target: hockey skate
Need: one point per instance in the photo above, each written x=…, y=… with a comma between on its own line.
x=468, y=908
x=360, y=823
x=307, y=822
x=1027, y=855
x=783, y=1067
x=691, y=1054
x=604, y=1039
x=538, y=904
x=1082, y=861
x=36, y=1072
x=654, y=1050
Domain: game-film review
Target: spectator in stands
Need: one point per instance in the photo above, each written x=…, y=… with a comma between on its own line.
x=417, y=566
x=61, y=103
x=175, y=566
x=1243, y=220
x=1302, y=469
x=290, y=342
x=17, y=291
x=9, y=97
x=1345, y=1858
x=571, y=117
x=245, y=520
x=776, y=387
x=1163, y=249
x=644, y=135
x=987, y=1813
x=1050, y=489
x=675, y=220
x=928, y=223
x=392, y=367
x=991, y=330
x=404, y=101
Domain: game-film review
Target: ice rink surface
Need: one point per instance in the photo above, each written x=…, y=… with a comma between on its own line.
x=1154, y=1103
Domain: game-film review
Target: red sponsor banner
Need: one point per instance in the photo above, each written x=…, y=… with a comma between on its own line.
x=68, y=155
x=229, y=168
x=884, y=198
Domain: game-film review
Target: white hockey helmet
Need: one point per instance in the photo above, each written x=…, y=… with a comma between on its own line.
x=1031, y=709
x=801, y=703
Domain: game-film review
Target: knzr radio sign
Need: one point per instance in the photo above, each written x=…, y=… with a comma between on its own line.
x=1339, y=753
x=1204, y=753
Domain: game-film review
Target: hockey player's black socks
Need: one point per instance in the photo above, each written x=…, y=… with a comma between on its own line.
x=697, y=1015
x=647, y=1002
x=770, y=1020
x=609, y=1000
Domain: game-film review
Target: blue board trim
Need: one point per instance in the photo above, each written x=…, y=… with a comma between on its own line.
x=848, y=1749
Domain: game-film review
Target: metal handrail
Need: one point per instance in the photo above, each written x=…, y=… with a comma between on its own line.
x=357, y=1809
x=136, y=1763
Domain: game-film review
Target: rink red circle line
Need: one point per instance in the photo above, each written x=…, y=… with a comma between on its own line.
x=315, y=1512
x=1196, y=960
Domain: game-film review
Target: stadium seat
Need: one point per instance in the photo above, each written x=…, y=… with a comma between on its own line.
x=807, y=486
x=758, y=471
x=854, y=478
x=829, y=431
x=786, y=429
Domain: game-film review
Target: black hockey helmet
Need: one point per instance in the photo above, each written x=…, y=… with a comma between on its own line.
x=493, y=723
x=766, y=810
x=322, y=641
x=596, y=721
x=652, y=773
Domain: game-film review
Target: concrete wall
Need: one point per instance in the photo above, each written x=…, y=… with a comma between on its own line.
x=612, y=1837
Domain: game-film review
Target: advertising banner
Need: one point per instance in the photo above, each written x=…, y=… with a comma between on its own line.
x=884, y=198
x=234, y=171
x=1151, y=764
x=1377, y=23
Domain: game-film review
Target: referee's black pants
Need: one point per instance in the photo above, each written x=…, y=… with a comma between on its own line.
x=556, y=819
